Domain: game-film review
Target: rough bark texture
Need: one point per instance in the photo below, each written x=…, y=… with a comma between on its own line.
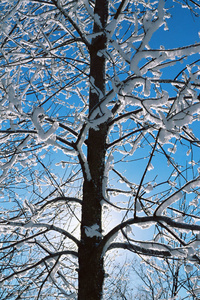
x=91, y=271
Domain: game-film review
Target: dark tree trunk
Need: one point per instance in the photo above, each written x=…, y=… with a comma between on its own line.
x=91, y=270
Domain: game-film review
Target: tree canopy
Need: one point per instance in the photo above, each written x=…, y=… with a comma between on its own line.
x=99, y=142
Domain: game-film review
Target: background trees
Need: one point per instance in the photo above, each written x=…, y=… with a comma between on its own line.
x=169, y=279
x=85, y=90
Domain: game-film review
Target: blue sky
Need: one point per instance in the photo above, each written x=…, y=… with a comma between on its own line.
x=183, y=27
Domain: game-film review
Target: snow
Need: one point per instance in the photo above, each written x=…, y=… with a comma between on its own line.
x=134, y=79
x=8, y=165
x=167, y=202
x=111, y=27
x=188, y=268
x=151, y=27
x=177, y=195
x=176, y=252
x=109, y=166
x=81, y=153
x=148, y=188
x=150, y=167
x=191, y=185
x=42, y=135
x=111, y=239
x=92, y=231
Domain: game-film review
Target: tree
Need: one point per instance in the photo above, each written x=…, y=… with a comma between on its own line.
x=84, y=90
x=154, y=279
x=168, y=279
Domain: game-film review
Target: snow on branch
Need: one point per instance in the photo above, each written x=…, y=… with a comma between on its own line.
x=44, y=136
x=139, y=250
x=41, y=262
x=67, y=16
x=93, y=231
x=176, y=196
x=60, y=199
x=141, y=221
x=149, y=27
x=31, y=224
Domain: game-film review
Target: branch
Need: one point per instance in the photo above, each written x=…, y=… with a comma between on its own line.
x=65, y=142
x=66, y=15
x=140, y=250
x=120, y=8
x=15, y=244
x=9, y=131
x=40, y=262
x=30, y=224
x=111, y=94
x=145, y=171
x=125, y=136
x=73, y=132
x=62, y=198
x=177, y=195
x=195, y=3
x=141, y=220
x=114, y=121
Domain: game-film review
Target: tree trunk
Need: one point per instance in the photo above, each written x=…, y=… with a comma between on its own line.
x=91, y=270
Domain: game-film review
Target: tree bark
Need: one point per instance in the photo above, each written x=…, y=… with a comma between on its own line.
x=91, y=270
